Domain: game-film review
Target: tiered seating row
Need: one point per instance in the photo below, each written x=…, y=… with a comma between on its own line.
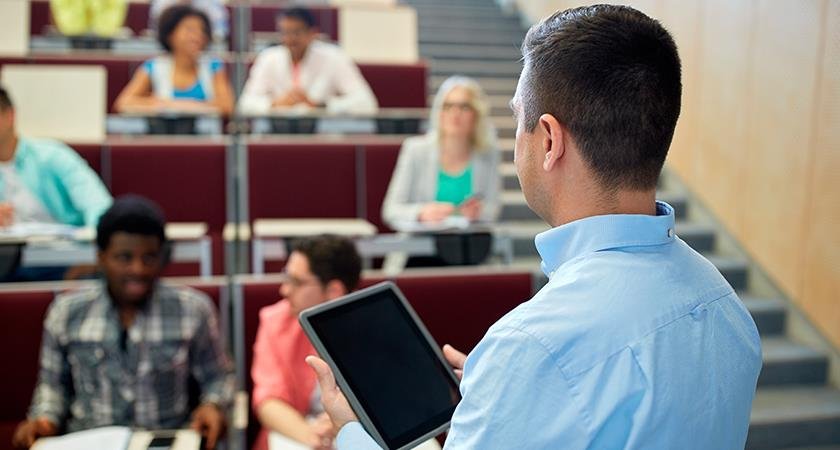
x=262, y=18
x=395, y=85
x=457, y=308
x=304, y=178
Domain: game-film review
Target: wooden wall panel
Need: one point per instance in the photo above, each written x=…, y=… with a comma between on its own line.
x=684, y=20
x=783, y=77
x=821, y=265
x=719, y=158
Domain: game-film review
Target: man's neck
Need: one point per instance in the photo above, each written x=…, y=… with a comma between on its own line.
x=621, y=202
x=7, y=148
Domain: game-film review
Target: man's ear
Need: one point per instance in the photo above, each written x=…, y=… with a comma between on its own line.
x=335, y=289
x=553, y=140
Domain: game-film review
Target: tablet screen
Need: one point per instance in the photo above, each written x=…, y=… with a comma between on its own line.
x=389, y=365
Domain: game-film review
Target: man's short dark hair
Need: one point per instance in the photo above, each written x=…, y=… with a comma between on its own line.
x=172, y=16
x=130, y=214
x=5, y=100
x=331, y=258
x=301, y=14
x=611, y=75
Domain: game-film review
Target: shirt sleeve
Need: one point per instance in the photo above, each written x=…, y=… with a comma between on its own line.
x=514, y=395
x=53, y=389
x=354, y=94
x=397, y=205
x=353, y=437
x=257, y=94
x=209, y=363
x=86, y=191
x=148, y=66
x=267, y=370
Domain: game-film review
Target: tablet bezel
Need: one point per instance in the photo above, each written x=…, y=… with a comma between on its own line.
x=307, y=315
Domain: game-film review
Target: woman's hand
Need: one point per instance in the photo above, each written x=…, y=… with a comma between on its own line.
x=435, y=212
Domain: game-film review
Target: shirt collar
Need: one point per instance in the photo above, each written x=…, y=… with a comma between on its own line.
x=591, y=234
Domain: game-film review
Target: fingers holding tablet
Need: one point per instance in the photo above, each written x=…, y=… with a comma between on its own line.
x=455, y=358
x=335, y=404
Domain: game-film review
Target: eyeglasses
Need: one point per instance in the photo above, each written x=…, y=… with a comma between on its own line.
x=462, y=107
x=296, y=282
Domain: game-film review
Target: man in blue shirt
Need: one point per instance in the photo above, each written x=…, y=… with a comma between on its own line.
x=45, y=181
x=636, y=341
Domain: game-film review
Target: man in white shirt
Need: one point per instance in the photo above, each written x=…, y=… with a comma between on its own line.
x=305, y=72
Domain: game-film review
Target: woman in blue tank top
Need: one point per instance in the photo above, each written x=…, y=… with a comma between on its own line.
x=184, y=78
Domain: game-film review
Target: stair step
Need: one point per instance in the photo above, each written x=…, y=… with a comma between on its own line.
x=470, y=52
x=487, y=37
x=509, y=68
x=464, y=21
x=786, y=362
x=491, y=85
x=515, y=208
x=436, y=13
x=769, y=314
x=734, y=270
x=794, y=416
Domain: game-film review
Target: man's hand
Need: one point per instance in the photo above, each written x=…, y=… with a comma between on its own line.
x=7, y=214
x=335, y=404
x=30, y=430
x=455, y=359
x=324, y=431
x=209, y=421
x=435, y=212
x=291, y=98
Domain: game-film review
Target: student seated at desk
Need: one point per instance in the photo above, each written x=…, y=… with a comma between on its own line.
x=285, y=397
x=452, y=169
x=123, y=352
x=305, y=72
x=43, y=180
x=184, y=79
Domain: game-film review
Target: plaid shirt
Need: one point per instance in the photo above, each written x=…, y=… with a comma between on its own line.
x=88, y=379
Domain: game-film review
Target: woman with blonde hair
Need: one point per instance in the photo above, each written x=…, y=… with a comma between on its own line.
x=453, y=168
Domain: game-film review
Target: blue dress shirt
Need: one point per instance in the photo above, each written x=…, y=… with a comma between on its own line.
x=637, y=341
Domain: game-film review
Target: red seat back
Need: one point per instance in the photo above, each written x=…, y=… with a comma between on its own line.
x=397, y=85
x=301, y=180
x=380, y=161
x=21, y=323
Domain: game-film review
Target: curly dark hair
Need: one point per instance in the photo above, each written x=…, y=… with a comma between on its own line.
x=172, y=16
x=130, y=214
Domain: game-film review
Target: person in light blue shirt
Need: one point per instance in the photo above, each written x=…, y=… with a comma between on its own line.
x=636, y=341
x=43, y=180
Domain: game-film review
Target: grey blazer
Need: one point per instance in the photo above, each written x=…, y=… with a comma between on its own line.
x=415, y=179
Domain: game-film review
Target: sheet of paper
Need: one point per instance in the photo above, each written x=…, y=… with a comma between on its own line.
x=277, y=441
x=106, y=438
x=450, y=223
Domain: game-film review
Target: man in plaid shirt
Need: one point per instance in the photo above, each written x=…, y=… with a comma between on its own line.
x=122, y=353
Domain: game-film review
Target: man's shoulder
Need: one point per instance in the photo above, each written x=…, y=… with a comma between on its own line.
x=44, y=147
x=74, y=305
x=188, y=299
x=276, y=311
x=275, y=53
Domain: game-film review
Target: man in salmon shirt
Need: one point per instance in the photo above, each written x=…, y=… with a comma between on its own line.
x=285, y=397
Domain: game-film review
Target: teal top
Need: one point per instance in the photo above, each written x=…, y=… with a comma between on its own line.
x=68, y=188
x=454, y=189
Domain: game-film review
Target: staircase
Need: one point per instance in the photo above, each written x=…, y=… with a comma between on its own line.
x=794, y=406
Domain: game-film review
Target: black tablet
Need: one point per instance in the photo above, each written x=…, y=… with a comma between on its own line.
x=386, y=364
